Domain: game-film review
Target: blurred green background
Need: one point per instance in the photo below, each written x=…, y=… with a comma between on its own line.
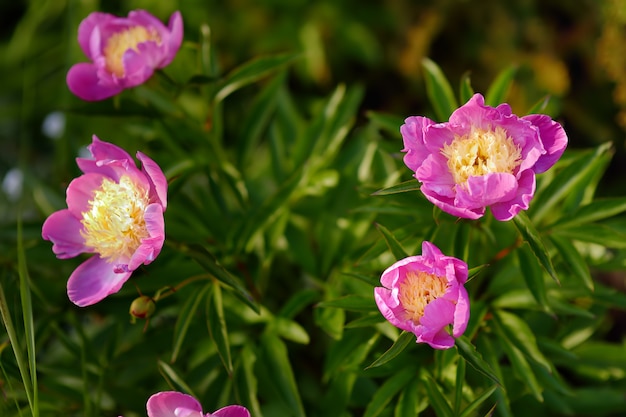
x=571, y=50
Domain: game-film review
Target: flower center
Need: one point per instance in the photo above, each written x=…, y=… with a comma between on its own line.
x=122, y=41
x=114, y=225
x=419, y=289
x=481, y=152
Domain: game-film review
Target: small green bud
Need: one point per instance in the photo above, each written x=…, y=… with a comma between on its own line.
x=142, y=308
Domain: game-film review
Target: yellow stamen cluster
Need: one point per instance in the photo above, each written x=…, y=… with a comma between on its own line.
x=481, y=152
x=124, y=40
x=419, y=289
x=114, y=224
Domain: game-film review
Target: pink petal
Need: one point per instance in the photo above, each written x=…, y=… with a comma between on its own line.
x=83, y=81
x=461, y=313
x=175, y=39
x=166, y=404
x=156, y=177
x=63, y=230
x=93, y=280
x=81, y=191
x=413, y=136
x=552, y=136
x=86, y=29
x=430, y=251
x=474, y=113
x=506, y=210
x=150, y=247
x=231, y=411
x=485, y=190
x=449, y=206
x=139, y=65
x=104, y=151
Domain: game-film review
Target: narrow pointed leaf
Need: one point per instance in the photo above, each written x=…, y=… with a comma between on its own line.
x=499, y=89
x=397, y=348
x=250, y=72
x=468, y=352
x=530, y=234
x=521, y=336
x=568, y=181
x=408, y=404
x=383, y=396
x=478, y=401
x=403, y=187
x=216, y=324
x=439, y=90
x=599, y=209
x=573, y=260
x=437, y=400
x=533, y=275
x=392, y=243
x=174, y=379
x=465, y=91
x=351, y=302
x=388, y=122
x=276, y=361
x=539, y=106
x=185, y=318
x=521, y=367
x=207, y=261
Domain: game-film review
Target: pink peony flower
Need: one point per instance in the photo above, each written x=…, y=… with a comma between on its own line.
x=115, y=211
x=176, y=404
x=483, y=156
x=124, y=52
x=424, y=294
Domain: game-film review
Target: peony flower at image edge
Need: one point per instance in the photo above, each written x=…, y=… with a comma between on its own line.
x=124, y=52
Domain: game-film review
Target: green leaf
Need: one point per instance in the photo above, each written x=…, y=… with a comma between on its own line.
x=290, y=330
x=458, y=386
x=599, y=209
x=539, y=106
x=499, y=89
x=468, y=352
x=398, y=347
x=595, y=233
x=522, y=336
x=216, y=324
x=439, y=90
x=569, y=181
x=437, y=400
x=388, y=122
x=246, y=381
x=478, y=401
x=250, y=72
x=208, y=262
x=533, y=275
x=185, y=318
x=257, y=119
x=531, y=235
x=383, y=396
x=298, y=302
x=173, y=379
x=351, y=302
x=521, y=367
x=403, y=187
x=409, y=403
x=275, y=359
x=392, y=243
x=27, y=315
x=573, y=260
x=465, y=91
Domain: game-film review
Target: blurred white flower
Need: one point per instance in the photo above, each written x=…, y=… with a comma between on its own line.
x=13, y=183
x=53, y=125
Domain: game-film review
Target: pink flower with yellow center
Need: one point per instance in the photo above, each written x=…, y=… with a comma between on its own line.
x=176, y=404
x=482, y=157
x=425, y=295
x=124, y=52
x=115, y=211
